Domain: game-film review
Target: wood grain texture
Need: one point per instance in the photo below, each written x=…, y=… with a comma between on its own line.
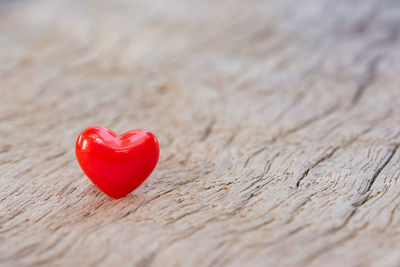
x=279, y=126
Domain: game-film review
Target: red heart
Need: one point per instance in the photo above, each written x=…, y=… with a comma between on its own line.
x=117, y=164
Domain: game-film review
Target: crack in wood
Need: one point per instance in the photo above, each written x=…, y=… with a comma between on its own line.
x=330, y=154
x=380, y=169
x=367, y=79
x=253, y=155
x=319, y=161
x=208, y=130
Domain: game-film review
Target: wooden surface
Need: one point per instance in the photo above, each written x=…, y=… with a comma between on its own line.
x=279, y=126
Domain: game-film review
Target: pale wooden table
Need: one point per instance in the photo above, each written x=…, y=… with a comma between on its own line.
x=279, y=125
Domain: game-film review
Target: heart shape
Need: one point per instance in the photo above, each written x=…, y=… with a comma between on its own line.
x=117, y=164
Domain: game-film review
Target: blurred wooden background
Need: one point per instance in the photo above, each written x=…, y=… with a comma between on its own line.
x=279, y=126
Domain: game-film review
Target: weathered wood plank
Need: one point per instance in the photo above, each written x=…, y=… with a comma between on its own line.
x=279, y=126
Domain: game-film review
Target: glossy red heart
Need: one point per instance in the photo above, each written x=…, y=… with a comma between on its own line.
x=117, y=164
